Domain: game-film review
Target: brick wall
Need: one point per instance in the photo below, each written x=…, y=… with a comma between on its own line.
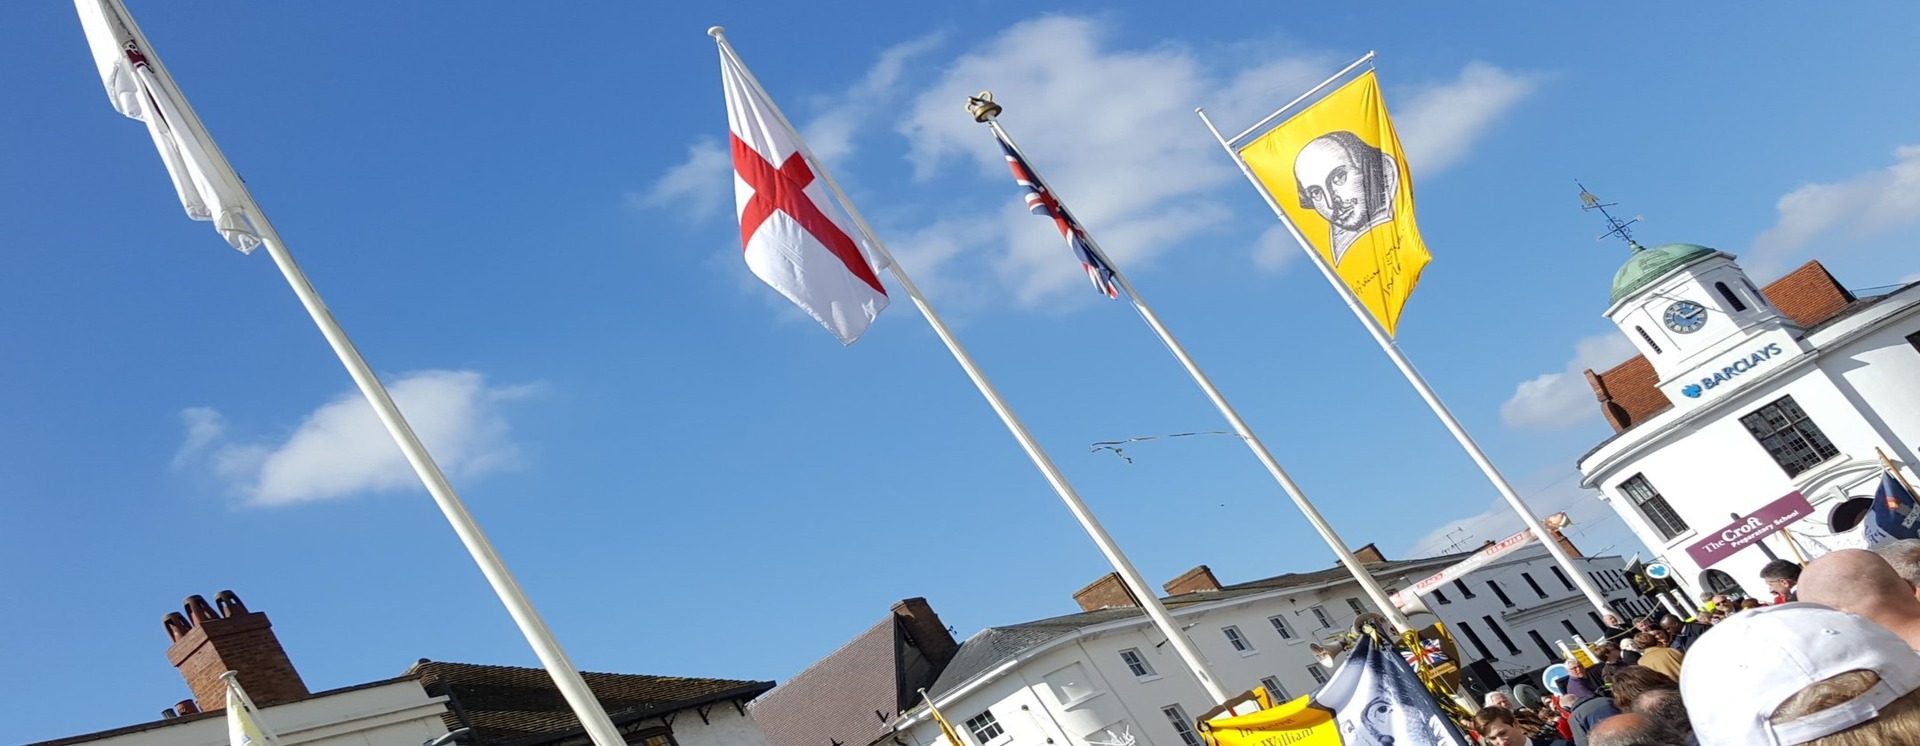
x=208, y=643
x=1108, y=591
x=1192, y=581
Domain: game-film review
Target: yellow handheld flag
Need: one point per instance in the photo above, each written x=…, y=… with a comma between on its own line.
x=1337, y=171
x=946, y=728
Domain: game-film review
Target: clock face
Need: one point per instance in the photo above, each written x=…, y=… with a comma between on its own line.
x=1686, y=317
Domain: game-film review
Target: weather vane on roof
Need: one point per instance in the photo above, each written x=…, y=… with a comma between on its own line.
x=1615, y=226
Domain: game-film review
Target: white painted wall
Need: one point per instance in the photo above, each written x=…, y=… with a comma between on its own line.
x=1857, y=385
x=397, y=714
x=1028, y=708
x=725, y=726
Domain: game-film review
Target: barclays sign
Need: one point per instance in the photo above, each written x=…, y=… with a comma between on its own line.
x=1739, y=367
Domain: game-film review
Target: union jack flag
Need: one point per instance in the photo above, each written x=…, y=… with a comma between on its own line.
x=1042, y=202
x=1427, y=654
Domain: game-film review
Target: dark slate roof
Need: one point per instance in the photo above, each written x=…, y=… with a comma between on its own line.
x=509, y=705
x=995, y=645
x=836, y=699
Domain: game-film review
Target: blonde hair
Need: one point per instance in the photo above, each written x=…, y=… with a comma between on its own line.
x=1897, y=723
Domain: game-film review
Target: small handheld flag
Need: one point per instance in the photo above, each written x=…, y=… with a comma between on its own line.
x=242, y=728
x=1895, y=516
x=1040, y=201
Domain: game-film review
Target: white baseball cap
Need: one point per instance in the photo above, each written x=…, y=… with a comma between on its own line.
x=1744, y=668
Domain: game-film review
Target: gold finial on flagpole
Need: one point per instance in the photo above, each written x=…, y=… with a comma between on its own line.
x=982, y=107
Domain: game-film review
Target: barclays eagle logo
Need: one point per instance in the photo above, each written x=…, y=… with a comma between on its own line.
x=1692, y=390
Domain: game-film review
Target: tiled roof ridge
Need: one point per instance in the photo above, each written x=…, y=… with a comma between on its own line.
x=889, y=621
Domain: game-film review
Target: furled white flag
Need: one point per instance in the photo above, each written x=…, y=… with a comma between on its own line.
x=794, y=236
x=140, y=88
x=241, y=728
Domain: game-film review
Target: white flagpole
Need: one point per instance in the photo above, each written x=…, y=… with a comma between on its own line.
x=1149, y=600
x=1400, y=361
x=567, y=678
x=1354, y=567
x=233, y=685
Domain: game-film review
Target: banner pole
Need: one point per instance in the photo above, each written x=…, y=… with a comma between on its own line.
x=1419, y=383
x=1143, y=593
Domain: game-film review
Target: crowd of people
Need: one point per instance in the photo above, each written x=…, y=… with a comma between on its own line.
x=1832, y=660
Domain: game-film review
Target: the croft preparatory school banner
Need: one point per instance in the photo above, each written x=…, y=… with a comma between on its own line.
x=1373, y=699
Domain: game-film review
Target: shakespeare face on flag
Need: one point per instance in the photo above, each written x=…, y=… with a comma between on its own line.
x=1337, y=171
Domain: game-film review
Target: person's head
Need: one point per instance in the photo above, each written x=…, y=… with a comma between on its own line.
x=1497, y=727
x=1630, y=682
x=1612, y=620
x=1649, y=640
x=1343, y=178
x=1904, y=556
x=1608, y=651
x=1800, y=673
x=1671, y=624
x=1780, y=576
x=1717, y=615
x=1498, y=699
x=1861, y=582
x=1629, y=729
x=1749, y=603
x=1643, y=624
x=1666, y=707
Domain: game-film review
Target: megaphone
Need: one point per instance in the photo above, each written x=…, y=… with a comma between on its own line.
x=1416, y=606
x=1329, y=655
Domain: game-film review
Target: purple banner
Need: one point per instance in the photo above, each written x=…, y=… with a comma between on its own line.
x=1750, y=529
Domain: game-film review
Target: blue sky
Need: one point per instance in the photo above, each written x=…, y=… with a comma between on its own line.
x=519, y=214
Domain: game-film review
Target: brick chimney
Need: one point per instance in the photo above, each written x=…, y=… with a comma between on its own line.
x=926, y=631
x=207, y=644
x=1194, y=580
x=1369, y=555
x=1565, y=543
x=1108, y=591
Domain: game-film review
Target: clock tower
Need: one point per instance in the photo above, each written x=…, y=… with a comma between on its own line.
x=1698, y=320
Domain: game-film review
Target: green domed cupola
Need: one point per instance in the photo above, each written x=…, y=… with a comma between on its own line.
x=1648, y=265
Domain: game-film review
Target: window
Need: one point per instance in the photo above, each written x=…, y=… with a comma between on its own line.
x=1136, y=663
x=1733, y=299
x=1659, y=514
x=1572, y=631
x=1461, y=586
x=1545, y=649
x=1790, y=438
x=1182, y=724
x=1649, y=339
x=1280, y=626
x=1320, y=615
x=1070, y=684
x=984, y=728
x=662, y=738
x=1597, y=580
x=1562, y=576
x=1237, y=640
x=1597, y=624
x=1440, y=597
x=1914, y=339
x=1473, y=637
x=1495, y=585
x=1535, y=586
x=1275, y=691
x=1354, y=603
x=1319, y=674
x=1512, y=649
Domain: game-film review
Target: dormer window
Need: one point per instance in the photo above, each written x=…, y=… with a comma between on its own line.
x=1649, y=338
x=1733, y=299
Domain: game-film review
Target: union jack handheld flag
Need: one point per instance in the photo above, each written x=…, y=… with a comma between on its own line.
x=1428, y=653
x=1042, y=202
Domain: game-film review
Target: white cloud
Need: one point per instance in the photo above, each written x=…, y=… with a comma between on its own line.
x=696, y=187
x=1440, y=125
x=1869, y=204
x=204, y=426
x=1499, y=521
x=1275, y=250
x=341, y=448
x=1557, y=400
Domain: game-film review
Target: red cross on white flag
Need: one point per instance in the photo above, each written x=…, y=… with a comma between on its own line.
x=795, y=238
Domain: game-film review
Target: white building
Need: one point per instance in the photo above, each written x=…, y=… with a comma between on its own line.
x=484, y=705
x=1742, y=396
x=1105, y=673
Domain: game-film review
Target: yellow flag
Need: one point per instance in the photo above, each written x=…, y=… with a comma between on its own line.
x=946, y=728
x=1300, y=722
x=1337, y=171
x=241, y=729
